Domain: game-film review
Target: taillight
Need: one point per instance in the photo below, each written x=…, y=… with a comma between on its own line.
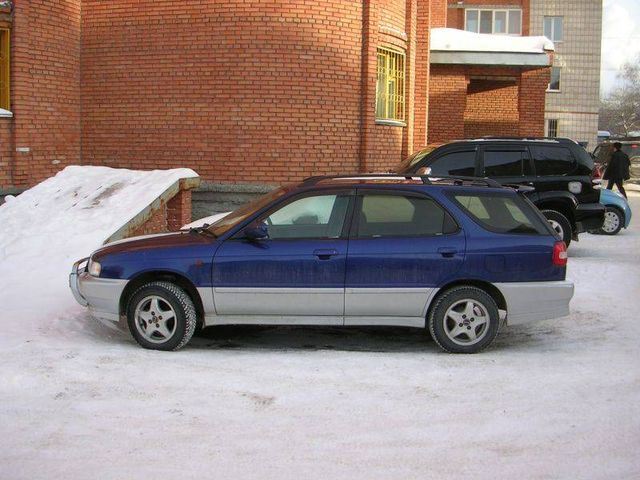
x=559, y=254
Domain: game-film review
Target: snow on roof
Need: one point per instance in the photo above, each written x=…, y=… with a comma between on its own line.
x=454, y=40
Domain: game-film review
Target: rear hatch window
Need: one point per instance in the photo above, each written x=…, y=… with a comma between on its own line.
x=501, y=213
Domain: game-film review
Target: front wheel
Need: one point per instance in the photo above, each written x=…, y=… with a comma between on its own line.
x=161, y=316
x=465, y=319
x=613, y=221
x=560, y=224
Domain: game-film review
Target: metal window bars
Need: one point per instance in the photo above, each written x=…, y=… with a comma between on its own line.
x=390, y=85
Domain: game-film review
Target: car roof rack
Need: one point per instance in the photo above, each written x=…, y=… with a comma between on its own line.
x=426, y=179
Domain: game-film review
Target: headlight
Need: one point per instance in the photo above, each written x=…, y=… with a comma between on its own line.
x=94, y=268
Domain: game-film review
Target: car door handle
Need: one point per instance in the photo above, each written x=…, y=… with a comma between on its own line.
x=325, y=254
x=447, y=252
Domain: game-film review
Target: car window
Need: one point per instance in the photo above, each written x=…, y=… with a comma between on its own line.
x=318, y=216
x=501, y=214
x=504, y=163
x=383, y=215
x=553, y=160
x=455, y=164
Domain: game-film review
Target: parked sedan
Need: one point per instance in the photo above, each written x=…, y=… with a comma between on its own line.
x=460, y=257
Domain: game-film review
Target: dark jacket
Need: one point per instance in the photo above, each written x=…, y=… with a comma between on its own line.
x=618, y=167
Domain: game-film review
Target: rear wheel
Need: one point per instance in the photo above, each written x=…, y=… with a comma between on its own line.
x=161, y=316
x=560, y=224
x=464, y=319
x=613, y=221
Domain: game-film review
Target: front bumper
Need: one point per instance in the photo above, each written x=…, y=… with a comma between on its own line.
x=533, y=301
x=589, y=216
x=101, y=295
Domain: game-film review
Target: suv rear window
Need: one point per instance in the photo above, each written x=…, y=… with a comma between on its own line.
x=553, y=160
x=501, y=213
x=455, y=164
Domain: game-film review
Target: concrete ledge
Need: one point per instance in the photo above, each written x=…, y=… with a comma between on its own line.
x=211, y=198
x=510, y=59
x=137, y=221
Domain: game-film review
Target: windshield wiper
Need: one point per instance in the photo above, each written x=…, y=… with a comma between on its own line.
x=203, y=229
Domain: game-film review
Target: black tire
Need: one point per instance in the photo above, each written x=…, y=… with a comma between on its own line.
x=443, y=327
x=613, y=221
x=560, y=224
x=149, y=328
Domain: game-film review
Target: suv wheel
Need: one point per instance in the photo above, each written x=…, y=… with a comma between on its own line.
x=161, y=316
x=560, y=224
x=464, y=320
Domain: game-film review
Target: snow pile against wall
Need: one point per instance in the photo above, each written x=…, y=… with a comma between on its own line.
x=66, y=217
x=451, y=39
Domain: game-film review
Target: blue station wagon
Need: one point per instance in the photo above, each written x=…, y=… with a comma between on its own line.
x=459, y=256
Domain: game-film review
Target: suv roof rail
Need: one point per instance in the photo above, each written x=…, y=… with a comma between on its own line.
x=507, y=138
x=426, y=179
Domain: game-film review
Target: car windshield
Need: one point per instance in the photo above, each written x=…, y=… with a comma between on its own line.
x=410, y=161
x=239, y=215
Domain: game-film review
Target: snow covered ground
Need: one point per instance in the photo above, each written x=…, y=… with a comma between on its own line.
x=556, y=399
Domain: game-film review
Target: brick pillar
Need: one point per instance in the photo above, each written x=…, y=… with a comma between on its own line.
x=447, y=103
x=421, y=88
x=410, y=98
x=179, y=210
x=533, y=86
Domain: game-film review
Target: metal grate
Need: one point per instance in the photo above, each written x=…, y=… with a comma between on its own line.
x=390, y=85
x=4, y=68
x=552, y=127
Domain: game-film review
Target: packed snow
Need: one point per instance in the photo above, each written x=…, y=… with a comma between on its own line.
x=451, y=39
x=555, y=399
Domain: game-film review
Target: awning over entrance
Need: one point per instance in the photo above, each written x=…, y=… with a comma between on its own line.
x=450, y=46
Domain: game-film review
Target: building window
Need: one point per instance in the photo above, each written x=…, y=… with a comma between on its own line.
x=553, y=28
x=503, y=22
x=4, y=68
x=552, y=127
x=554, y=84
x=390, y=85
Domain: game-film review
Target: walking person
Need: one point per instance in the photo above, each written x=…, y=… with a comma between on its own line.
x=617, y=170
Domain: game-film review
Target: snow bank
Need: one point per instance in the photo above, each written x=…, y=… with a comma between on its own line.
x=63, y=219
x=451, y=39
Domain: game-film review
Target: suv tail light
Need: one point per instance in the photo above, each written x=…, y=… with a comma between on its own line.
x=559, y=254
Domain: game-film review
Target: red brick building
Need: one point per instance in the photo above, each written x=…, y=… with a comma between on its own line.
x=248, y=92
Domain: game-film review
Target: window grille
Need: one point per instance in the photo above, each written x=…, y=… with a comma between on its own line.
x=390, y=90
x=4, y=68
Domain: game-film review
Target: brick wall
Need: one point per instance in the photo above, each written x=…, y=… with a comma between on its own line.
x=492, y=108
x=45, y=93
x=474, y=101
x=447, y=103
x=239, y=91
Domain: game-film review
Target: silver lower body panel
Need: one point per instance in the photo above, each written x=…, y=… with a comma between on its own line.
x=533, y=301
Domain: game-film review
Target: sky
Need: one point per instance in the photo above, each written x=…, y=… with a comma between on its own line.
x=620, y=38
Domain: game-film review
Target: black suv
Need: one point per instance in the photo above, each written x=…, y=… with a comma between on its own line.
x=558, y=169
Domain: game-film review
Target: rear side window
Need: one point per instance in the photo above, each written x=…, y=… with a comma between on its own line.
x=553, y=160
x=401, y=216
x=501, y=214
x=455, y=164
x=505, y=163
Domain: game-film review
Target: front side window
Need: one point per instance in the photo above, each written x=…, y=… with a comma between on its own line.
x=500, y=213
x=553, y=28
x=553, y=160
x=383, y=215
x=4, y=69
x=320, y=216
x=503, y=22
x=554, y=83
x=455, y=164
x=504, y=163
x=390, y=98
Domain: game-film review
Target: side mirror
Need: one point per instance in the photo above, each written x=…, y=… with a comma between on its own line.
x=423, y=171
x=256, y=231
